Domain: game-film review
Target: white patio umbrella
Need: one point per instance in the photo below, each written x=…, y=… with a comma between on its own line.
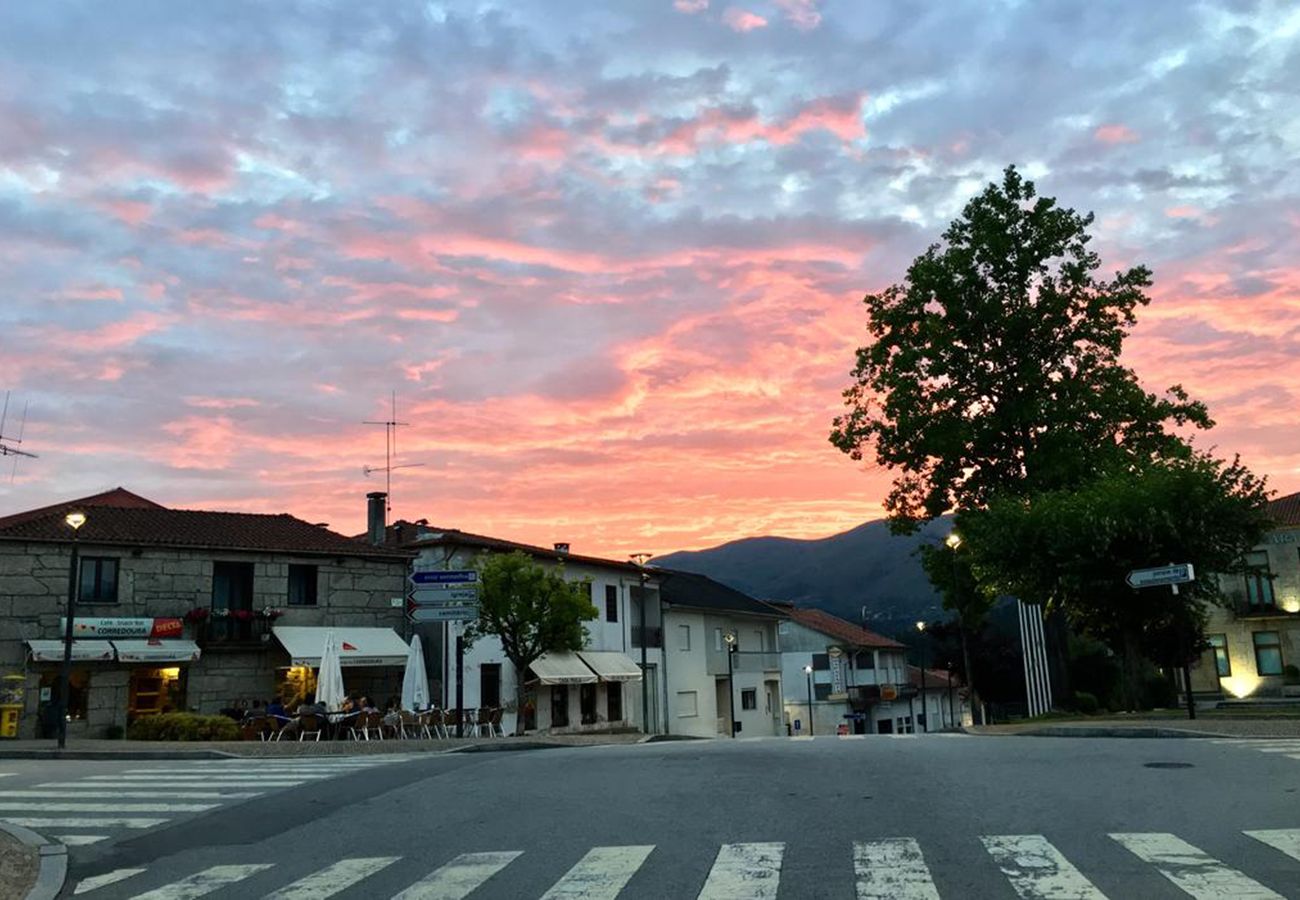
x=415, y=682
x=329, y=681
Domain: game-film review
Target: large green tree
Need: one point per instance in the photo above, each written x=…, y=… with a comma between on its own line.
x=532, y=609
x=1071, y=549
x=994, y=367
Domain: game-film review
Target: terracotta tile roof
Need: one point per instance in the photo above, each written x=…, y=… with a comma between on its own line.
x=414, y=535
x=841, y=629
x=148, y=524
x=1285, y=510
x=934, y=678
x=118, y=496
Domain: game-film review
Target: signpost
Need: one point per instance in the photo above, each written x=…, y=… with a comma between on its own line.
x=449, y=595
x=1171, y=575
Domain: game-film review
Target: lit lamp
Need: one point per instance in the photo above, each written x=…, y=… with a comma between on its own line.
x=953, y=540
x=73, y=520
x=730, y=638
x=807, y=670
x=641, y=559
x=925, y=715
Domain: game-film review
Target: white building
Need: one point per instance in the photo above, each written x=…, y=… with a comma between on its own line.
x=840, y=676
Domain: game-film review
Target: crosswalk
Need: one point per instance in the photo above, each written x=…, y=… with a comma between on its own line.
x=888, y=869
x=94, y=808
x=1286, y=747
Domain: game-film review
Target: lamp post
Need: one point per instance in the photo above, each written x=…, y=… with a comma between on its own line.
x=74, y=520
x=808, y=670
x=925, y=707
x=953, y=540
x=641, y=559
x=730, y=638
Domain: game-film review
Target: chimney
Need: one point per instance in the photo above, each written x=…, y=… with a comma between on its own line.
x=562, y=547
x=375, y=503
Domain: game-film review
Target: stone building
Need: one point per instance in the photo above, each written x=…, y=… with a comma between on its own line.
x=1255, y=640
x=189, y=610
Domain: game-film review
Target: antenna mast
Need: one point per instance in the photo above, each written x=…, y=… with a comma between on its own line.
x=391, y=424
x=9, y=445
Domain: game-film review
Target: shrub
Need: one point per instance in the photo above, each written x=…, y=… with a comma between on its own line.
x=183, y=727
x=1085, y=703
x=114, y=732
x=1158, y=693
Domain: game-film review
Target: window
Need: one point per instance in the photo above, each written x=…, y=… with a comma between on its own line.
x=1259, y=581
x=614, y=701
x=717, y=639
x=559, y=705
x=1268, y=653
x=749, y=699
x=489, y=684
x=821, y=662
x=611, y=603
x=683, y=637
x=587, y=704
x=822, y=691
x=1219, y=644
x=302, y=585
x=760, y=641
x=866, y=659
x=688, y=704
x=98, y=580
x=232, y=585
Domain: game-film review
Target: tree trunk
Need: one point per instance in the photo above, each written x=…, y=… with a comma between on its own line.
x=976, y=717
x=1130, y=669
x=521, y=673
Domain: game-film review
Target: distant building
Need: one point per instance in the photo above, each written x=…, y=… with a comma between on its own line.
x=859, y=680
x=1256, y=638
x=189, y=610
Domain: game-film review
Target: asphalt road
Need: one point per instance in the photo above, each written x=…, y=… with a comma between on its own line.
x=933, y=816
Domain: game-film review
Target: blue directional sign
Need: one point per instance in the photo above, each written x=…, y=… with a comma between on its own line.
x=456, y=576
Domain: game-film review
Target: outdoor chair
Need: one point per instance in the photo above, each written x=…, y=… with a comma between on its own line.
x=450, y=718
x=494, y=723
x=436, y=719
x=471, y=722
x=409, y=725
x=311, y=724
x=366, y=724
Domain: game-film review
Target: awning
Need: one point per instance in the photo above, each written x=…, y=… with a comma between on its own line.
x=157, y=651
x=562, y=668
x=82, y=651
x=357, y=646
x=611, y=666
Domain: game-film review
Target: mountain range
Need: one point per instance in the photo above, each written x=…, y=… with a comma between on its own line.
x=865, y=574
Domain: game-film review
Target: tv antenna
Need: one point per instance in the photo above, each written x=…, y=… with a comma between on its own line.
x=391, y=424
x=9, y=445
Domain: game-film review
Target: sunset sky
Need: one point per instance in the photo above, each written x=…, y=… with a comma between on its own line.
x=609, y=255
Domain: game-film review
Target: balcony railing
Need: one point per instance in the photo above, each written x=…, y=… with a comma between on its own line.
x=742, y=661
x=233, y=633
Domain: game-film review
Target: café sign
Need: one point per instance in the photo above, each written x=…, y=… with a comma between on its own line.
x=123, y=627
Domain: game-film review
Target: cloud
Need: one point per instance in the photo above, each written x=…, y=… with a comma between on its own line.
x=1115, y=134
x=803, y=14
x=741, y=20
x=690, y=7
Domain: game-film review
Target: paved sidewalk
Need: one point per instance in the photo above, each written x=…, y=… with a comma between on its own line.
x=104, y=749
x=1135, y=726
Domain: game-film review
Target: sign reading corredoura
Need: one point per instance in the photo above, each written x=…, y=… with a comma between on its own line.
x=123, y=627
x=1162, y=575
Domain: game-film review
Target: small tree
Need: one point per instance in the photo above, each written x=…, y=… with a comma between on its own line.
x=532, y=610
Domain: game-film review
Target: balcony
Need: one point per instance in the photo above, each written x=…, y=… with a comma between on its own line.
x=742, y=661
x=1244, y=610
x=232, y=633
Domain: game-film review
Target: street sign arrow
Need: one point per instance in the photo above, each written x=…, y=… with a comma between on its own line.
x=463, y=613
x=453, y=576
x=1161, y=575
x=462, y=594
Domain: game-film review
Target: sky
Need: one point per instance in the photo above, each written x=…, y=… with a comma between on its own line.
x=610, y=257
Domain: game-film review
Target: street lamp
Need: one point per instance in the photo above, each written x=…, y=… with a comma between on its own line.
x=730, y=638
x=807, y=670
x=925, y=708
x=641, y=559
x=73, y=520
x=954, y=541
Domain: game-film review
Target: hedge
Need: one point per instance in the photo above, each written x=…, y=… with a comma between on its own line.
x=183, y=727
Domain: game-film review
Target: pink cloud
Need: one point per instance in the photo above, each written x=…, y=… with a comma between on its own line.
x=741, y=20
x=690, y=7
x=803, y=14
x=1115, y=134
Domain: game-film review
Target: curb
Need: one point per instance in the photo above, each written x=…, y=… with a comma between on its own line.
x=504, y=747
x=53, y=861
x=116, y=754
x=1099, y=731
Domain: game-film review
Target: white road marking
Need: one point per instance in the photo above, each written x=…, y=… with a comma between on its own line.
x=852, y=737
x=207, y=779
x=802, y=737
x=601, y=874
x=1192, y=870
x=39, y=822
x=130, y=795
x=1285, y=839
x=892, y=869
x=744, y=872
x=202, y=883
x=332, y=879
x=1037, y=870
x=79, y=840
x=21, y=806
x=7, y=774
x=203, y=783
x=99, y=881
x=457, y=878
x=248, y=770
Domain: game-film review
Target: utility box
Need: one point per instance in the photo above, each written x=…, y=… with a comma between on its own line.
x=11, y=704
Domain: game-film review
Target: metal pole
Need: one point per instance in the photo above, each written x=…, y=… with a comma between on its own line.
x=925, y=707
x=645, y=676
x=65, y=671
x=460, y=684
x=731, y=688
x=810, y=706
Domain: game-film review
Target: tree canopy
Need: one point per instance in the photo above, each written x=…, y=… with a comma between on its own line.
x=994, y=368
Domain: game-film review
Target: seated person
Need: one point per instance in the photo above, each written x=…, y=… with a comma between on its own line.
x=309, y=708
x=276, y=708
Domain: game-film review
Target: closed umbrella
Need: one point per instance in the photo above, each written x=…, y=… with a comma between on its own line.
x=415, y=682
x=329, y=682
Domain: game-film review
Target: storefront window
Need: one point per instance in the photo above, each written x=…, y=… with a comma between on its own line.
x=155, y=691
x=560, y=706
x=614, y=701
x=587, y=702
